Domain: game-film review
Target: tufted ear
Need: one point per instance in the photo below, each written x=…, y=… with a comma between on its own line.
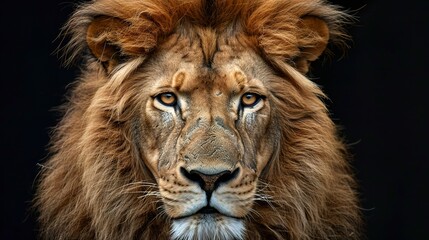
x=314, y=37
x=112, y=40
x=104, y=41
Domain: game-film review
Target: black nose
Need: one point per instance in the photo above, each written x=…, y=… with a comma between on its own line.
x=209, y=182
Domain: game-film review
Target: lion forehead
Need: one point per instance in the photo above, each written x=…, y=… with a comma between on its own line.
x=186, y=64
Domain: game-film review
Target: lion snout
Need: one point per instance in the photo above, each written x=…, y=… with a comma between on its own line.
x=207, y=180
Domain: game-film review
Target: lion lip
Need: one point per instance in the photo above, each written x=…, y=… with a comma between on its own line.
x=207, y=210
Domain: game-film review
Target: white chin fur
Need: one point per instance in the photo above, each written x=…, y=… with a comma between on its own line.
x=207, y=227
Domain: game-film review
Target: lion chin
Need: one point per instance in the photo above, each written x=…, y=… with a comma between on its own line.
x=207, y=226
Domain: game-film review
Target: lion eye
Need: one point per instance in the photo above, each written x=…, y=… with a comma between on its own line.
x=167, y=99
x=250, y=99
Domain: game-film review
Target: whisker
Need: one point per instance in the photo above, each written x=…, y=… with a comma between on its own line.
x=252, y=215
x=147, y=194
x=133, y=186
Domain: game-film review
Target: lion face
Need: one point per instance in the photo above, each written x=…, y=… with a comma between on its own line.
x=195, y=120
x=212, y=134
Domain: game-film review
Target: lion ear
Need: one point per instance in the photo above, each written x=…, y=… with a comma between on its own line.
x=113, y=40
x=103, y=39
x=314, y=37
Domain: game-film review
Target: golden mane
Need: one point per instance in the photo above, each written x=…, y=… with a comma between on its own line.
x=86, y=188
x=272, y=25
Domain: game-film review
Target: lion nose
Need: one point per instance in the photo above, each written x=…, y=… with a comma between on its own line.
x=210, y=182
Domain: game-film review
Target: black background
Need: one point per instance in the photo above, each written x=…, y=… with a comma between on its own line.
x=377, y=94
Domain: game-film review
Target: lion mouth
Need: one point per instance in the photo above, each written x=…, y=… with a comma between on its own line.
x=206, y=223
x=207, y=210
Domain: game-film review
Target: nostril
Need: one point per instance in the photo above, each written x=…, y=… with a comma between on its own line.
x=209, y=182
x=227, y=177
x=193, y=177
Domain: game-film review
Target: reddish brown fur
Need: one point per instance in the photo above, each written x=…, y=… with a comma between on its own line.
x=83, y=191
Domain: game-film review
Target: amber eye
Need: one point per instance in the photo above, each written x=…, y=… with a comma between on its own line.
x=250, y=99
x=168, y=99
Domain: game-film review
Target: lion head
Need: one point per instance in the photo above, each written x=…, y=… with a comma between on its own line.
x=194, y=120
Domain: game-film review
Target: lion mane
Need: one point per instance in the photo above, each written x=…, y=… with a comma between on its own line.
x=194, y=119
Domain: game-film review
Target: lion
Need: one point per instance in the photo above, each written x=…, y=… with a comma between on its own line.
x=194, y=119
